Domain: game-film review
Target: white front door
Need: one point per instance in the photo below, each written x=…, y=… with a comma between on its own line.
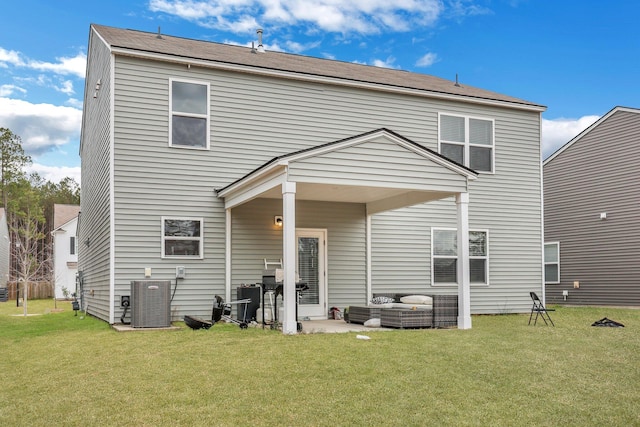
x=311, y=267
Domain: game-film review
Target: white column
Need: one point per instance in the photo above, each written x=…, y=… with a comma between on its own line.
x=368, y=231
x=227, y=257
x=289, y=324
x=464, y=288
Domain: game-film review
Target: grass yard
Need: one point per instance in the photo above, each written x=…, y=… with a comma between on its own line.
x=61, y=369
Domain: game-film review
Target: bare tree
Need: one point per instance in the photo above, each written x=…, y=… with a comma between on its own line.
x=27, y=227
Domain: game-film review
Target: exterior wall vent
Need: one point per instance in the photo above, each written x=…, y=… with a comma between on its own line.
x=150, y=303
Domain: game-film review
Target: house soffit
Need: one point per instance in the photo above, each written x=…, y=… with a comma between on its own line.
x=267, y=180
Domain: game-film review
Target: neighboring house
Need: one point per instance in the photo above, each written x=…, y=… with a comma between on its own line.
x=362, y=179
x=65, y=249
x=592, y=214
x=5, y=249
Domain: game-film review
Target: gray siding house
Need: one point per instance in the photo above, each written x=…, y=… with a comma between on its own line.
x=215, y=158
x=592, y=214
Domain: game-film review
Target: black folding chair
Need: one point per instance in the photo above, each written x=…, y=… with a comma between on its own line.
x=540, y=310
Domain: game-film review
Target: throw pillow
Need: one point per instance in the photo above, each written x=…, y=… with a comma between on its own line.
x=381, y=300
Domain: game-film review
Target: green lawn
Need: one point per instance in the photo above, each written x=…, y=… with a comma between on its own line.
x=61, y=369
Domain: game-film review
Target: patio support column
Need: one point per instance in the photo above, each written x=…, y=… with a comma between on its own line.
x=464, y=288
x=368, y=238
x=227, y=258
x=290, y=323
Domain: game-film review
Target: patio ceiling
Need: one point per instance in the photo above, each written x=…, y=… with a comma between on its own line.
x=355, y=194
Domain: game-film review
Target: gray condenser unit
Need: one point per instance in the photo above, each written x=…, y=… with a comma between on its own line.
x=150, y=303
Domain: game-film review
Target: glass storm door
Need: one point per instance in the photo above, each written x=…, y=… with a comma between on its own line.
x=311, y=270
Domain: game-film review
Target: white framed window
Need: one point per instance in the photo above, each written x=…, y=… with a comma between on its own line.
x=468, y=141
x=552, y=262
x=182, y=237
x=444, y=256
x=188, y=114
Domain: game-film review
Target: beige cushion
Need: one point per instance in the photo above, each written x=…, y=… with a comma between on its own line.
x=417, y=299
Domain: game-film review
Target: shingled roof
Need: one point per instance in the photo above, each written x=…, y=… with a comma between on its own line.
x=62, y=214
x=206, y=53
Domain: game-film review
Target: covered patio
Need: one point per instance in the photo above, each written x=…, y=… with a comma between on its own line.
x=379, y=169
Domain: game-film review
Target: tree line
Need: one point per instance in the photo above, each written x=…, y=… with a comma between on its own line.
x=28, y=202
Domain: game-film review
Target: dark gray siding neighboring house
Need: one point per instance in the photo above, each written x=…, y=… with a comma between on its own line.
x=592, y=214
x=382, y=180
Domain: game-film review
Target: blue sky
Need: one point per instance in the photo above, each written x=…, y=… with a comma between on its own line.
x=579, y=58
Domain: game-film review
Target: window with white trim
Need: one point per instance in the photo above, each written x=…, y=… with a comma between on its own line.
x=73, y=248
x=444, y=256
x=552, y=262
x=468, y=141
x=189, y=114
x=182, y=237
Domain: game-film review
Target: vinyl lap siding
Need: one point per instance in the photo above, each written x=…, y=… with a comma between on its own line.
x=256, y=118
x=507, y=204
x=170, y=182
x=353, y=166
x=596, y=175
x=255, y=237
x=94, y=223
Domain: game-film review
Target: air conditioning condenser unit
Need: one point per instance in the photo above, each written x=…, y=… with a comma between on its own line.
x=150, y=303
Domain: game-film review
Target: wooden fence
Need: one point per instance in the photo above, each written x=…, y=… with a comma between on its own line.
x=36, y=290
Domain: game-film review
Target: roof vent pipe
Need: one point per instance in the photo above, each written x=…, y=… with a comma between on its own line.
x=159, y=36
x=260, y=47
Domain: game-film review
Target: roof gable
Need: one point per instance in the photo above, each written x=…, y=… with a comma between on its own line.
x=590, y=129
x=369, y=168
x=62, y=214
x=397, y=151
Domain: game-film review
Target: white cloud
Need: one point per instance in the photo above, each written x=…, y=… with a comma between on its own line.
x=427, y=60
x=557, y=132
x=7, y=90
x=65, y=65
x=55, y=174
x=10, y=56
x=75, y=65
x=359, y=16
x=460, y=9
x=75, y=103
x=385, y=63
x=299, y=47
x=42, y=127
x=66, y=87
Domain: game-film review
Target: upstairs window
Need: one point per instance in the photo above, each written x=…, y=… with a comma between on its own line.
x=468, y=141
x=444, y=257
x=182, y=237
x=189, y=121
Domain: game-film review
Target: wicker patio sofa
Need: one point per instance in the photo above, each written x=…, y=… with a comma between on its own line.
x=443, y=312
